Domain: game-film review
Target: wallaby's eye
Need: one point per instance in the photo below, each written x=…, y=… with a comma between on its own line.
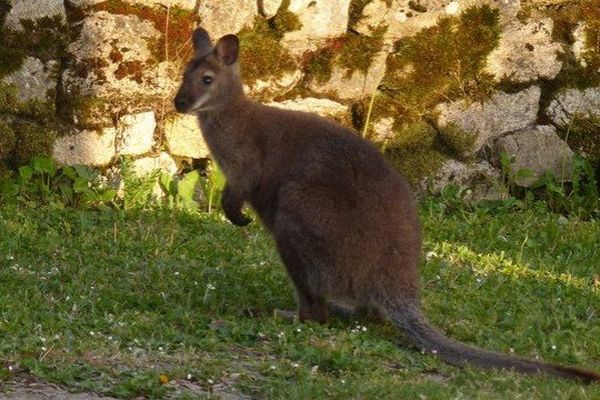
x=207, y=80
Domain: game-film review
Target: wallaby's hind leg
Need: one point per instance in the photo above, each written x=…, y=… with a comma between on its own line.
x=311, y=303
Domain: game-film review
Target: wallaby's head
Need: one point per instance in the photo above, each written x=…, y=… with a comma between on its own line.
x=211, y=79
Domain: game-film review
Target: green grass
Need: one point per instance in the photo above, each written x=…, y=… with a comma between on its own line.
x=108, y=301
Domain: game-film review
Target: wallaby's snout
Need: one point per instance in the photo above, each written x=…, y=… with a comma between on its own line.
x=211, y=78
x=181, y=103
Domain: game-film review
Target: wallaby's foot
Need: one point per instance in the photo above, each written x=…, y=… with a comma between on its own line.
x=341, y=312
x=365, y=313
x=287, y=315
x=316, y=314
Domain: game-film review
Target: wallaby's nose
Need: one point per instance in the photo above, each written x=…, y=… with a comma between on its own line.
x=180, y=104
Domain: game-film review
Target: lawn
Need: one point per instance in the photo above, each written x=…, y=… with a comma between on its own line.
x=164, y=303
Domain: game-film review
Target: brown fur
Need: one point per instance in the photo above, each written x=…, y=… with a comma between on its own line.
x=343, y=219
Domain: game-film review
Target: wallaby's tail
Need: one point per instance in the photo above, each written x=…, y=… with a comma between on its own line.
x=407, y=316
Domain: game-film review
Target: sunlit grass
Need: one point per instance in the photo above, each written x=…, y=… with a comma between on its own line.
x=110, y=301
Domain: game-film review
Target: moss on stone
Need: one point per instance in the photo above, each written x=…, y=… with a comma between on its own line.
x=443, y=62
x=84, y=110
x=416, y=165
x=418, y=136
x=456, y=140
x=261, y=54
x=573, y=74
x=583, y=136
x=5, y=7
x=32, y=140
x=45, y=39
x=8, y=140
x=355, y=12
x=351, y=51
x=34, y=109
x=175, y=25
x=284, y=21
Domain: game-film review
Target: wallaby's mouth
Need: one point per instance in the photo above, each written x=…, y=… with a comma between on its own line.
x=184, y=105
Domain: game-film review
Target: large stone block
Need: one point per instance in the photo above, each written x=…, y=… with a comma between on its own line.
x=33, y=10
x=502, y=113
x=537, y=150
x=404, y=18
x=480, y=177
x=572, y=102
x=525, y=53
x=115, y=69
x=321, y=20
x=323, y=107
x=88, y=148
x=222, y=17
x=184, y=137
x=35, y=80
x=352, y=84
x=136, y=134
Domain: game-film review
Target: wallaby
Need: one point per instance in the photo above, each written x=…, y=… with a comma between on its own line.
x=344, y=220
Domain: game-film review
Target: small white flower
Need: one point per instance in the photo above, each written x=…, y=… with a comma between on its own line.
x=280, y=335
x=511, y=350
x=189, y=377
x=364, y=328
x=434, y=351
x=92, y=333
x=295, y=365
x=43, y=348
x=210, y=382
x=210, y=286
x=110, y=338
x=343, y=381
x=160, y=348
x=298, y=330
x=553, y=347
x=176, y=273
x=272, y=367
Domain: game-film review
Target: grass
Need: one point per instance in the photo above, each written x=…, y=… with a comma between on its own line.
x=115, y=301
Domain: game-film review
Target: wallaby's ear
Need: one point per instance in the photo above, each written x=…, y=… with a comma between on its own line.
x=201, y=40
x=227, y=49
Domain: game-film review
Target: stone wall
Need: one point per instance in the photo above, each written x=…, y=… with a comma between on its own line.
x=441, y=86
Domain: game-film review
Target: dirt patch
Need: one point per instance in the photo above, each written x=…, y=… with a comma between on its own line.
x=28, y=387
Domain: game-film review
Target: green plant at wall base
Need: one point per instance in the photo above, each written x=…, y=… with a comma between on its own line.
x=138, y=191
x=181, y=193
x=213, y=187
x=578, y=196
x=42, y=180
